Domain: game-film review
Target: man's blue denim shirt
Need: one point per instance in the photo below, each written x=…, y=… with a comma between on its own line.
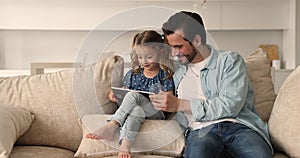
x=226, y=85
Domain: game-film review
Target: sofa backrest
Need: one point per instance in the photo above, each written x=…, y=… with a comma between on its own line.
x=58, y=99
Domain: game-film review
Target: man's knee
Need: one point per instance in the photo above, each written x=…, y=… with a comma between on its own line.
x=203, y=144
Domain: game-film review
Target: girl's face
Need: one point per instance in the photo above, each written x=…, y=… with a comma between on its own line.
x=147, y=57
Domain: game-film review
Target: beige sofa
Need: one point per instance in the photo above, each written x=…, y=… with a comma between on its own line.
x=47, y=115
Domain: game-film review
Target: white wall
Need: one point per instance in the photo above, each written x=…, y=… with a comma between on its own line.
x=246, y=41
x=297, y=33
x=53, y=31
x=19, y=48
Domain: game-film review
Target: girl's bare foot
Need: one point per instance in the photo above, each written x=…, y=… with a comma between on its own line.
x=106, y=132
x=124, y=149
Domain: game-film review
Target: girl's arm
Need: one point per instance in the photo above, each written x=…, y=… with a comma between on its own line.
x=171, y=92
x=112, y=97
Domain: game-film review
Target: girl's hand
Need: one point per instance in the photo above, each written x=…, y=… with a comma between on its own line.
x=112, y=97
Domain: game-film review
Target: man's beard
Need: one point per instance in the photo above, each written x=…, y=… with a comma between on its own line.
x=191, y=57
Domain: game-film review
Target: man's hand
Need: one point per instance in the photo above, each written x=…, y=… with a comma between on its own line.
x=165, y=101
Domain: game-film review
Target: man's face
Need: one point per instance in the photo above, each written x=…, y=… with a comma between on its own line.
x=182, y=49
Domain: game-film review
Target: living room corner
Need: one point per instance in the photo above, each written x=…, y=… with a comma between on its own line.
x=59, y=59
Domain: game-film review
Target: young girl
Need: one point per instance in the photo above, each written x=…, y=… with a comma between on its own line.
x=149, y=73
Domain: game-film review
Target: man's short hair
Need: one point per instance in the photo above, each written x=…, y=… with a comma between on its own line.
x=190, y=23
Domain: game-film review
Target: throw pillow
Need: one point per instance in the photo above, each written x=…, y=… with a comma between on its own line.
x=156, y=137
x=259, y=71
x=108, y=73
x=284, y=123
x=92, y=85
x=13, y=122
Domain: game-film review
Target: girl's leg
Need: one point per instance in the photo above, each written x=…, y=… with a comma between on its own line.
x=151, y=112
x=131, y=100
x=130, y=130
x=139, y=108
x=106, y=132
x=124, y=149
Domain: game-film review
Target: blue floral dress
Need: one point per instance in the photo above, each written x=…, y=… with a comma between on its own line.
x=138, y=81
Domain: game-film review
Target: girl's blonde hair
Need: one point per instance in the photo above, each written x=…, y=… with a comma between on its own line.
x=156, y=41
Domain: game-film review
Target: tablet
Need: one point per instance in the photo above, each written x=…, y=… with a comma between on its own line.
x=120, y=93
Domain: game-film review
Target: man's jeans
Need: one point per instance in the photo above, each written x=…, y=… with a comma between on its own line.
x=233, y=139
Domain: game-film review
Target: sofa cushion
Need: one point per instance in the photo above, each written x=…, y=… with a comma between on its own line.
x=284, y=122
x=259, y=71
x=40, y=152
x=58, y=99
x=169, y=140
x=143, y=156
x=13, y=122
x=92, y=85
x=279, y=155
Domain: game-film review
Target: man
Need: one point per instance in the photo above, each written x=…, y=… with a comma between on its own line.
x=215, y=97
